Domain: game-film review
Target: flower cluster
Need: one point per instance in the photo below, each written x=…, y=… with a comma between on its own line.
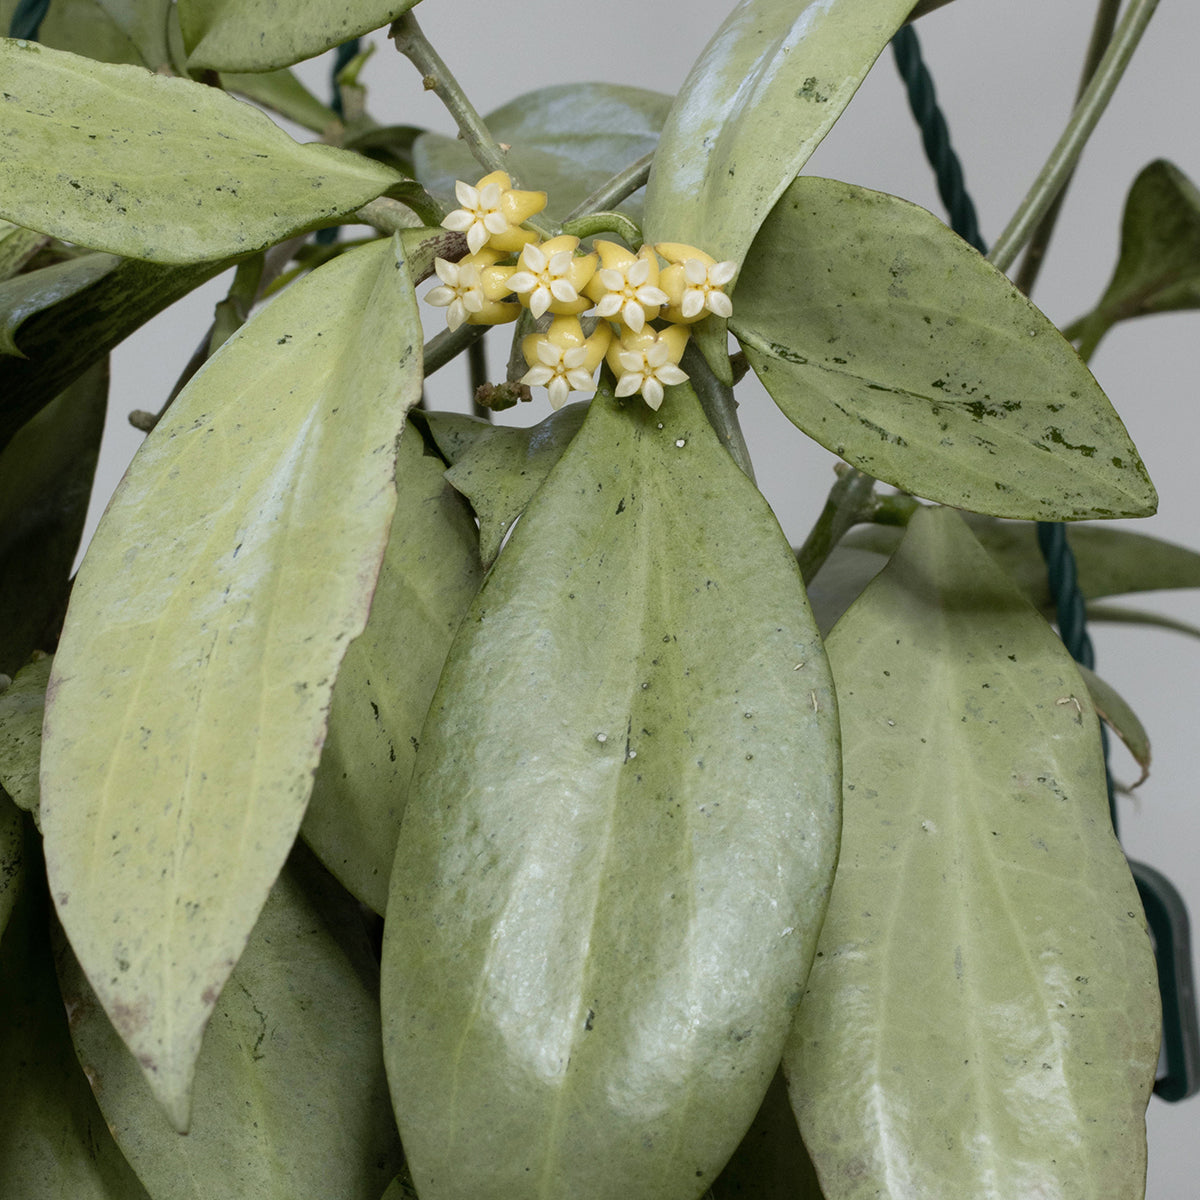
x=625, y=293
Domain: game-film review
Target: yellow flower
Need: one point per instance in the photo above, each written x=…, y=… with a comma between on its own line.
x=625, y=287
x=562, y=360
x=471, y=290
x=492, y=212
x=643, y=362
x=694, y=283
x=550, y=277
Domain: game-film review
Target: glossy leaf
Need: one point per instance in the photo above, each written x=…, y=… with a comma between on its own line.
x=156, y=167
x=53, y=1140
x=895, y=345
x=503, y=469
x=431, y=572
x=982, y=1017
x=755, y=105
x=190, y=692
x=114, y=31
x=46, y=475
x=622, y=824
x=291, y=1097
x=253, y=35
x=64, y=318
x=1109, y=561
x=1116, y=713
x=566, y=141
x=1158, y=269
x=21, y=707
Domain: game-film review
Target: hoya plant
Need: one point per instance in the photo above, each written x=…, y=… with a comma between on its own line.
x=405, y=803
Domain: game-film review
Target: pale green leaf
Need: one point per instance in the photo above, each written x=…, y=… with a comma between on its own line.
x=565, y=140
x=1135, y=616
x=453, y=433
x=1158, y=269
x=401, y=1188
x=982, y=1018
x=152, y=166
x=190, y=692
x=430, y=573
x=1112, y=708
x=12, y=849
x=757, y=102
x=54, y=1144
x=257, y=35
x=115, y=31
x=21, y=707
x=17, y=247
x=283, y=93
x=620, y=833
x=291, y=1097
x=64, y=318
x=895, y=345
x=46, y=475
x=503, y=469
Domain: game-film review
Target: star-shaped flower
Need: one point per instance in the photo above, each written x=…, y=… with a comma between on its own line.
x=550, y=277
x=472, y=289
x=625, y=287
x=644, y=362
x=492, y=212
x=562, y=360
x=694, y=283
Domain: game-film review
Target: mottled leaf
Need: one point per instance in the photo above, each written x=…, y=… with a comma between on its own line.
x=46, y=475
x=982, y=1017
x=21, y=707
x=500, y=472
x=255, y=35
x=895, y=345
x=431, y=572
x=620, y=832
x=755, y=105
x=566, y=141
x=291, y=1097
x=54, y=1143
x=190, y=692
x=152, y=166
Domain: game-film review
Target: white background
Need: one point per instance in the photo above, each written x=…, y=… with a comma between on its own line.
x=1006, y=75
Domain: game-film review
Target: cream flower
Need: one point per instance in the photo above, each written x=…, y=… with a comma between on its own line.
x=492, y=212
x=562, y=360
x=625, y=287
x=644, y=362
x=694, y=283
x=472, y=289
x=550, y=277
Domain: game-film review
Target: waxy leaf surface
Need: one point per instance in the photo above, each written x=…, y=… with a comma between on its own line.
x=152, y=166
x=256, y=35
x=430, y=573
x=291, y=1097
x=116, y=31
x=190, y=692
x=565, y=141
x=891, y=342
x=982, y=1017
x=620, y=833
x=756, y=104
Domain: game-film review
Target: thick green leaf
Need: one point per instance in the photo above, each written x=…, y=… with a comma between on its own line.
x=65, y=318
x=621, y=829
x=46, y=474
x=17, y=247
x=1136, y=616
x=283, y=93
x=757, y=102
x=566, y=141
x=1158, y=269
x=53, y=1141
x=115, y=31
x=151, y=166
x=22, y=705
x=453, y=433
x=430, y=573
x=895, y=345
x=12, y=852
x=291, y=1096
x=256, y=35
x=1109, y=561
x=190, y=692
x=503, y=469
x=1115, y=712
x=982, y=1017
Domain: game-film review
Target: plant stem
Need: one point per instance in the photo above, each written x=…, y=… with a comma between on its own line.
x=613, y=191
x=1035, y=252
x=605, y=222
x=1083, y=120
x=851, y=500
x=411, y=41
